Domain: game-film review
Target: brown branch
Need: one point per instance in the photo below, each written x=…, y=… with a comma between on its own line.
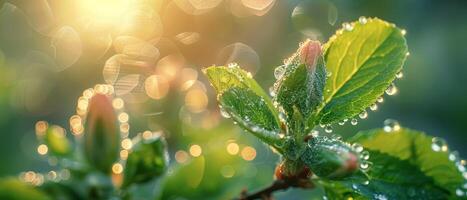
x=266, y=193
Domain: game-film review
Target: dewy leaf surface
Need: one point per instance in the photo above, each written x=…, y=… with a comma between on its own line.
x=416, y=148
x=301, y=88
x=251, y=112
x=363, y=60
x=245, y=101
x=390, y=178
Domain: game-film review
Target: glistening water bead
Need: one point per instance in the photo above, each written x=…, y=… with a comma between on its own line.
x=391, y=90
x=224, y=113
x=363, y=115
x=362, y=20
x=328, y=129
x=391, y=125
x=439, y=144
x=279, y=72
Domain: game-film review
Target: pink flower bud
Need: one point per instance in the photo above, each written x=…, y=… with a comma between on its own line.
x=309, y=53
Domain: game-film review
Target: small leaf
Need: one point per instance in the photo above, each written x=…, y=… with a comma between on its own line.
x=330, y=158
x=417, y=148
x=147, y=160
x=13, y=189
x=262, y=118
x=303, y=82
x=389, y=178
x=102, y=136
x=252, y=113
x=56, y=141
x=363, y=60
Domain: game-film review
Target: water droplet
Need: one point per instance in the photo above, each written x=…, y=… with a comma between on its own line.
x=407, y=54
x=374, y=107
x=362, y=20
x=461, y=166
x=279, y=72
x=328, y=129
x=366, y=182
x=459, y=192
x=224, y=113
x=365, y=155
x=380, y=100
x=391, y=90
x=272, y=91
x=439, y=144
x=363, y=115
x=391, y=125
x=347, y=26
x=232, y=65
x=399, y=75
x=403, y=32
x=454, y=156
x=357, y=147
x=328, y=74
x=365, y=165
x=354, y=186
x=342, y=122
x=314, y=133
x=354, y=121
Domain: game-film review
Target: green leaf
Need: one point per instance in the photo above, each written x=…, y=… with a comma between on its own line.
x=330, y=158
x=147, y=160
x=390, y=178
x=417, y=148
x=362, y=62
x=255, y=104
x=302, y=83
x=252, y=113
x=13, y=189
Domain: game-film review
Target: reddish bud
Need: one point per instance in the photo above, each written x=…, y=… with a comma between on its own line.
x=309, y=53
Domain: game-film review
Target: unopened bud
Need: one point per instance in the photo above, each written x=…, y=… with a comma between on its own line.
x=102, y=137
x=309, y=53
x=330, y=158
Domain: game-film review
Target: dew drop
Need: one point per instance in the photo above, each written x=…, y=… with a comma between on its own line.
x=365, y=155
x=454, y=156
x=314, y=133
x=363, y=115
x=272, y=91
x=365, y=165
x=328, y=129
x=347, y=26
x=354, y=121
x=391, y=90
x=357, y=147
x=366, y=182
x=399, y=75
x=391, y=125
x=374, y=107
x=232, y=65
x=342, y=122
x=380, y=100
x=362, y=20
x=279, y=72
x=439, y=144
x=403, y=32
x=407, y=54
x=224, y=113
x=328, y=74
x=354, y=186
x=459, y=192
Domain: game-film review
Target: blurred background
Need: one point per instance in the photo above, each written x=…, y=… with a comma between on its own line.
x=152, y=52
